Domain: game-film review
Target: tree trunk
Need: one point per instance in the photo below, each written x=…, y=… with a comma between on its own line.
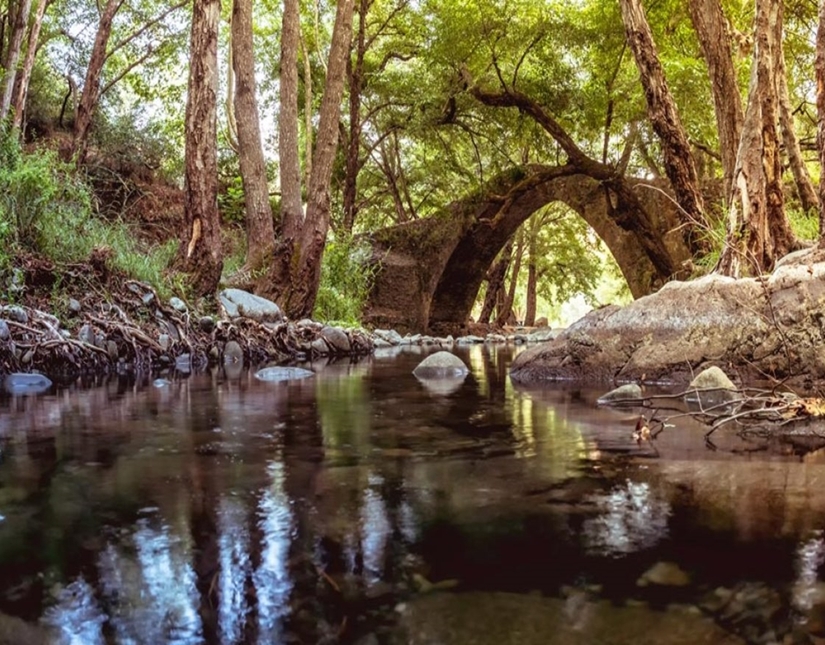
x=296, y=273
x=21, y=20
x=819, y=67
x=664, y=118
x=19, y=103
x=355, y=75
x=495, y=282
x=260, y=233
x=802, y=178
x=532, y=280
x=710, y=25
x=292, y=212
x=758, y=232
x=91, y=86
x=505, y=312
x=202, y=250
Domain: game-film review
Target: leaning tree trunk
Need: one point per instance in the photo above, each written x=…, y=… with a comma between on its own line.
x=91, y=86
x=664, y=117
x=296, y=272
x=21, y=20
x=495, y=282
x=758, y=232
x=260, y=232
x=802, y=178
x=505, y=312
x=202, y=250
x=19, y=103
x=532, y=285
x=820, y=112
x=710, y=25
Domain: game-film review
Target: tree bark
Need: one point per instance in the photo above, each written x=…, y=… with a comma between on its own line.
x=495, y=282
x=355, y=76
x=292, y=212
x=758, y=232
x=532, y=285
x=19, y=103
x=802, y=178
x=202, y=256
x=91, y=86
x=260, y=231
x=21, y=20
x=664, y=118
x=505, y=312
x=819, y=68
x=710, y=25
x=296, y=273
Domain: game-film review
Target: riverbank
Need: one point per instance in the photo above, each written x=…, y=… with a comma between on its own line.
x=132, y=330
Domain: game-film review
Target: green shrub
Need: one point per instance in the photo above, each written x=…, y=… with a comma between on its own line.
x=346, y=279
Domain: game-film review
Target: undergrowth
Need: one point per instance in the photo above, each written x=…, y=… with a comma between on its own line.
x=346, y=279
x=48, y=209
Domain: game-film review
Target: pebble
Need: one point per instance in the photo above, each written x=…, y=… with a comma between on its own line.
x=5, y=333
x=206, y=324
x=178, y=305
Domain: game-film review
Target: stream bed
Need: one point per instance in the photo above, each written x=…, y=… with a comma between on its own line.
x=364, y=506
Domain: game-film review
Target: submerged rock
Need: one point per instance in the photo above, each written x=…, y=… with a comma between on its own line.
x=441, y=365
x=712, y=378
x=276, y=374
x=665, y=574
x=622, y=394
x=19, y=383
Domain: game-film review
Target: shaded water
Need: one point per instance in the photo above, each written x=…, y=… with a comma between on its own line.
x=361, y=506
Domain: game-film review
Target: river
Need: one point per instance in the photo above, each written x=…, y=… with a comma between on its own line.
x=364, y=506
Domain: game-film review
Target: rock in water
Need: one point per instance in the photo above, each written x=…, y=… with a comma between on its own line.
x=276, y=374
x=665, y=574
x=712, y=378
x=337, y=339
x=623, y=395
x=238, y=303
x=19, y=383
x=441, y=365
x=232, y=353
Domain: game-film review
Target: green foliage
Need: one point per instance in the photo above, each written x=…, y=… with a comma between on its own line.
x=45, y=207
x=346, y=278
x=804, y=225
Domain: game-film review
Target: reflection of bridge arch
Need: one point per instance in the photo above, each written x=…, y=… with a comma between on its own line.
x=431, y=270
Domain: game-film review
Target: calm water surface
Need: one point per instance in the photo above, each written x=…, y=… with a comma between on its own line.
x=362, y=506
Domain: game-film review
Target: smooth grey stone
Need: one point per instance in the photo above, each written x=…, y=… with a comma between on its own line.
x=380, y=343
x=19, y=383
x=161, y=382
x=148, y=298
x=337, y=340
x=713, y=378
x=415, y=339
x=622, y=394
x=183, y=363
x=178, y=305
x=495, y=338
x=237, y=303
x=86, y=334
x=27, y=357
x=164, y=341
x=172, y=328
x=469, y=340
x=232, y=352
x=319, y=346
x=441, y=365
x=276, y=374
x=388, y=335
x=16, y=314
x=111, y=349
x=5, y=332
x=74, y=306
x=100, y=340
x=207, y=324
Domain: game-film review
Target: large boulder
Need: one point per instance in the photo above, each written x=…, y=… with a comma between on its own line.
x=241, y=304
x=772, y=325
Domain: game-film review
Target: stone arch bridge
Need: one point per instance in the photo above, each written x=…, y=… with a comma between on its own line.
x=429, y=271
